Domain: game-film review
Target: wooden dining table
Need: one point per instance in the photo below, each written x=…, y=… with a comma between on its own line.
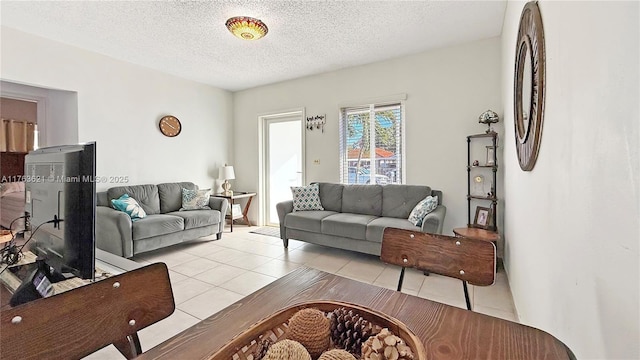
x=447, y=332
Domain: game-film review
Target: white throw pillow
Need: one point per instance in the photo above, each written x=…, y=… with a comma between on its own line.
x=306, y=198
x=11, y=187
x=421, y=210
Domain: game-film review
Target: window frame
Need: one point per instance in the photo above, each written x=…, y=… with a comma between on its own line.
x=372, y=105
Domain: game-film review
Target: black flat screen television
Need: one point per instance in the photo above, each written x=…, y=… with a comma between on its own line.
x=60, y=188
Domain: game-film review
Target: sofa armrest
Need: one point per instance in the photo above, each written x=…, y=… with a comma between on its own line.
x=434, y=220
x=220, y=204
x=283, y=209
x=113, y=231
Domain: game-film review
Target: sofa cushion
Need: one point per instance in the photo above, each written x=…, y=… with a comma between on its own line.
x=306, y=198
x=102, y=199
x=171, y=195
x=348, y=225
x=377, y=226
x=331, y=196
x=307, y=220
x=146, y=195
x=158, y=224
x=198, y=218
x=399, y=200
x=363, y=199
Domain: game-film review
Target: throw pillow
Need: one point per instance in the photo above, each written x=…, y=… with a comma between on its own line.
x=129, y=205
x=11, y=187
x=306, y=198
x=195, y=199
x=421, y=210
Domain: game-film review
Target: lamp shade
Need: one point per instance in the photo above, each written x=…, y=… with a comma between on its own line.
x=488, y=117
x=227, y=173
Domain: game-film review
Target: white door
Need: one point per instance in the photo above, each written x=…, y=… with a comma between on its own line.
x=283, y=160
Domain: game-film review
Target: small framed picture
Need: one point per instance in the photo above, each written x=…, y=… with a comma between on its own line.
x=491, y=152
x=483, y=218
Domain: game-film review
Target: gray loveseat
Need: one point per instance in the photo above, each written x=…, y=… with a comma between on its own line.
x=164, y=224
x=355, y=216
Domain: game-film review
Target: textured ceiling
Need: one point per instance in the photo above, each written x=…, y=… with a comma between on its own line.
x=189, y=39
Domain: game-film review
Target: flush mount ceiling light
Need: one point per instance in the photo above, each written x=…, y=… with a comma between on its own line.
x=247, y=28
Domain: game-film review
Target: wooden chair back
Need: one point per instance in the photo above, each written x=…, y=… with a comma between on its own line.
x=78, y=322
x=470, y=260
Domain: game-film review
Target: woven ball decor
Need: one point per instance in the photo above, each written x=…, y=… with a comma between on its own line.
x=312, y=329
x=269, y=335
x=336, y=354
x=287, y=350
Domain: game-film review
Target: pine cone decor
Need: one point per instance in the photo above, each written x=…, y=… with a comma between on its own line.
x=386, y=346
x=310, y=327
x=349, y=330
x=336, y=354
x=287, y=350
x=262, y=348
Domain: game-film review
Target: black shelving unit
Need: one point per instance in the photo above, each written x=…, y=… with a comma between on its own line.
x=481, y=170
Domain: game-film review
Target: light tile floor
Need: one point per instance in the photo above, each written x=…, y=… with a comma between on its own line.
x=208, y=276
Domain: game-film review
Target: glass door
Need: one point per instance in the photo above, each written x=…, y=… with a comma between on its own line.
x=283, y=160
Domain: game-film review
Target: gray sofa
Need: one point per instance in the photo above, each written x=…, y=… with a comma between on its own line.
x=355, y=216
x=164, y=224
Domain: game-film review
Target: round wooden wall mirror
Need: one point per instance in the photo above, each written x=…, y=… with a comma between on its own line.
x=529, y=88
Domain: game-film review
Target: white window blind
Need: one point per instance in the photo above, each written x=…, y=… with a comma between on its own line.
x=371, y=144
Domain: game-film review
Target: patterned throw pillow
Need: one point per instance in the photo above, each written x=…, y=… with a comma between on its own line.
x=129, y=205
x=306, y=198
x=421, y=210
x=195, y=199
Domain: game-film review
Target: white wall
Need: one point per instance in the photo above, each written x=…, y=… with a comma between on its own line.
x=119, y=106
x=446, y=91
x=573, y=224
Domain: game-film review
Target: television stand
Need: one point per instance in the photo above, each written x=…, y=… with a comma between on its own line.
x=36, y=282
x=106, y=265
x=53, y=276
x=21, y=271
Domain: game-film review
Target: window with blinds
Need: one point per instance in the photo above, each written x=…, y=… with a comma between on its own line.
x=372, y=144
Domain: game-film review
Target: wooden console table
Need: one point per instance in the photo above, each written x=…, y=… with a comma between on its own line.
x=447, y=332
x=238, y=195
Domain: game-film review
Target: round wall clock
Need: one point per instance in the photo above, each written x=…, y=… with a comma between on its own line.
x=529, y=86
x=170, y=126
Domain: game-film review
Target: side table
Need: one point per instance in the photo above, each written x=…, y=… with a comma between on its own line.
x=232, y=198
x=479, y=234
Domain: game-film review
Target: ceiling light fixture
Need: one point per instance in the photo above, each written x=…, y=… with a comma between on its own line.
x=247, y=28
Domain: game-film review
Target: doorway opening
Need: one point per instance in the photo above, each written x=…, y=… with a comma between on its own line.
x=282, y=160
